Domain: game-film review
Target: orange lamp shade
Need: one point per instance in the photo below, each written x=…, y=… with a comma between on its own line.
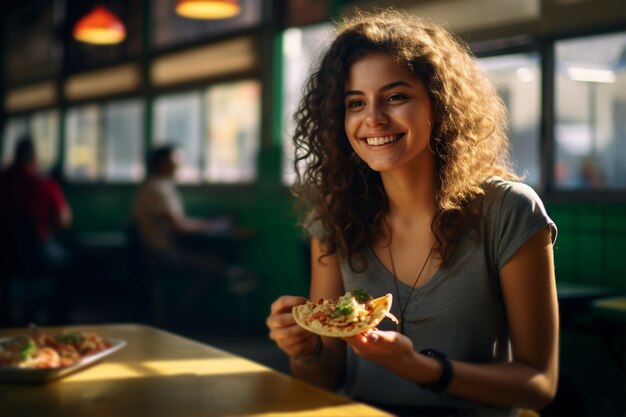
x=208, y=9
x=101, y=27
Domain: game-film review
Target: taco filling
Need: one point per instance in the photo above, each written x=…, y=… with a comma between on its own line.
x=353, y=313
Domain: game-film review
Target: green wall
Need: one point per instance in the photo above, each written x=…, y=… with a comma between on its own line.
x=590, y=243
x=590, y=250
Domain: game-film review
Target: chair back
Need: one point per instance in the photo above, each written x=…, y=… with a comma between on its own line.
x=21, y=248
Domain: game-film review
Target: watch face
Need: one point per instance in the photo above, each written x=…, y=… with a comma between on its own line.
x=433, y=353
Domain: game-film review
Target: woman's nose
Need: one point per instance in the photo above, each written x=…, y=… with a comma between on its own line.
x=376, y=115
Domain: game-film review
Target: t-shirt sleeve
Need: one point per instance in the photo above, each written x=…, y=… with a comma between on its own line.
x=518, y=213
x=171, y=201
x=315, y=228
x=57, y=199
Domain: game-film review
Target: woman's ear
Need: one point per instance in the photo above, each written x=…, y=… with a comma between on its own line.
x=434, y=124
x=436, y=119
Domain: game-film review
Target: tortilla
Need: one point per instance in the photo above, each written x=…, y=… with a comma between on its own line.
x=321, y=317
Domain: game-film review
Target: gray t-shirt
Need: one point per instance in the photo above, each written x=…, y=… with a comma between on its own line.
x=460, y=310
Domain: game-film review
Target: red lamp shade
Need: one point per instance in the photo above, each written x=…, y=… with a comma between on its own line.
x=100, y=26
x=208, y=9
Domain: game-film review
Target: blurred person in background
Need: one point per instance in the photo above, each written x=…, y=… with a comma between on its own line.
x=33, y=210
x=170, y=240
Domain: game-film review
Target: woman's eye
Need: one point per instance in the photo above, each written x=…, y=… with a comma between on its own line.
x=397, y=97
x=355, y=103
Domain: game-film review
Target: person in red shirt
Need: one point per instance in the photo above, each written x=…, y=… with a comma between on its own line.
x=32, y=209
x=26, y=193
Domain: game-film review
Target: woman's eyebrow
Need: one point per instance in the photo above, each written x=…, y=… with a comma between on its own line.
x=395, y=84
x=383, y=88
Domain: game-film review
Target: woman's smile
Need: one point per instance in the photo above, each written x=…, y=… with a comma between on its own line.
x=381, y=140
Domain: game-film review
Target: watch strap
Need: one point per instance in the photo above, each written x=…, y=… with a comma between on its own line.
x=446, y=374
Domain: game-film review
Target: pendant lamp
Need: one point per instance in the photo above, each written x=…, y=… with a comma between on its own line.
x=101, y=27
x=208, y=9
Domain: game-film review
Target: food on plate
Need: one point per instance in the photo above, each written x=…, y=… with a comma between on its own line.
x=41, y=350
x=354, y=312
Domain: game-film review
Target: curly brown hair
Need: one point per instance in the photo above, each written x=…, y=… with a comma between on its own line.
x=468, y=138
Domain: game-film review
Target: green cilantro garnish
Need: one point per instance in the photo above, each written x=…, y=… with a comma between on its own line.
x=29, y=350
x=361, y=296
x=343, y=307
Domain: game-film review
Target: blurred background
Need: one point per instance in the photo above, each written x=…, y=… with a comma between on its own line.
x=224, y=89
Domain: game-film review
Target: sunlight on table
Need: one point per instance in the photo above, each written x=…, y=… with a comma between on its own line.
x=200, y=367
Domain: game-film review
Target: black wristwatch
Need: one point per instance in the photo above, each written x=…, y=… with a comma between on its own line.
x=446, y=375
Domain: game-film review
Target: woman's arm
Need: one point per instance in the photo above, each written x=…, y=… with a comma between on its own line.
x=530, y=380
x=529, y=291
x=326, y=282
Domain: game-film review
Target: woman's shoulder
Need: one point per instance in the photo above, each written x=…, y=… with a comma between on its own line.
x=500, y=189
x=515, y=204
x=511, y=199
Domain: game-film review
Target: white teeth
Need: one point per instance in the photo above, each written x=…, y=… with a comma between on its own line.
x=382, y=140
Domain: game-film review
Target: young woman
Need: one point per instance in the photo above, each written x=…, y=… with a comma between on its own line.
x=408, y=191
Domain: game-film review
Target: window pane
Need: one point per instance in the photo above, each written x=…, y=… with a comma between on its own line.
x=82, y=125
x=14, y=129
x=43, y=126
x=178, y=120
x=518, y=80
x=301, y=48
x=590, y=127
x=123, y=157
x=233, y=132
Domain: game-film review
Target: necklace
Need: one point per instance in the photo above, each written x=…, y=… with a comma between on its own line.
x=395, y=281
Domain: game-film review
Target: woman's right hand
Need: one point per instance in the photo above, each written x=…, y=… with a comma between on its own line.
x=288, y=335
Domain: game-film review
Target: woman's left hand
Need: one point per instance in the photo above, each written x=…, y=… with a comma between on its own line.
x=389, y=349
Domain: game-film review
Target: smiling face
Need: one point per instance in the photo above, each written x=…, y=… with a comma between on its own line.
x=388, y=115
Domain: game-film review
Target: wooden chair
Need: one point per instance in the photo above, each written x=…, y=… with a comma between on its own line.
x=20, y=261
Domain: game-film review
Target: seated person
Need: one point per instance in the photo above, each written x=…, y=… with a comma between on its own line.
x=161, y=224
x=32, y=209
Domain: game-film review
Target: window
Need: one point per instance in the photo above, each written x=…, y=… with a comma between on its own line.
x=233, y=132
x=301, y=48
x=123, y=141
x=590, y=118
x=43, y=126
x=518, y=80
x=15, y=128
x=83, y=132
x=105, y=142
x=178, y=120
x=217, y=130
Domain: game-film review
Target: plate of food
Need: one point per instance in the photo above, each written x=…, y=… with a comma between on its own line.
x=40, y=357
x=353, y=313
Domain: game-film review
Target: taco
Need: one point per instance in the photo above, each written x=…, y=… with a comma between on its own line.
x=353, y=313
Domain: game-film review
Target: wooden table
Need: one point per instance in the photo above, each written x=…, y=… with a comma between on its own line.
x=162, y=374
x=610, y=315
x=575, y=300
x=571, y=291
x=612, y=308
